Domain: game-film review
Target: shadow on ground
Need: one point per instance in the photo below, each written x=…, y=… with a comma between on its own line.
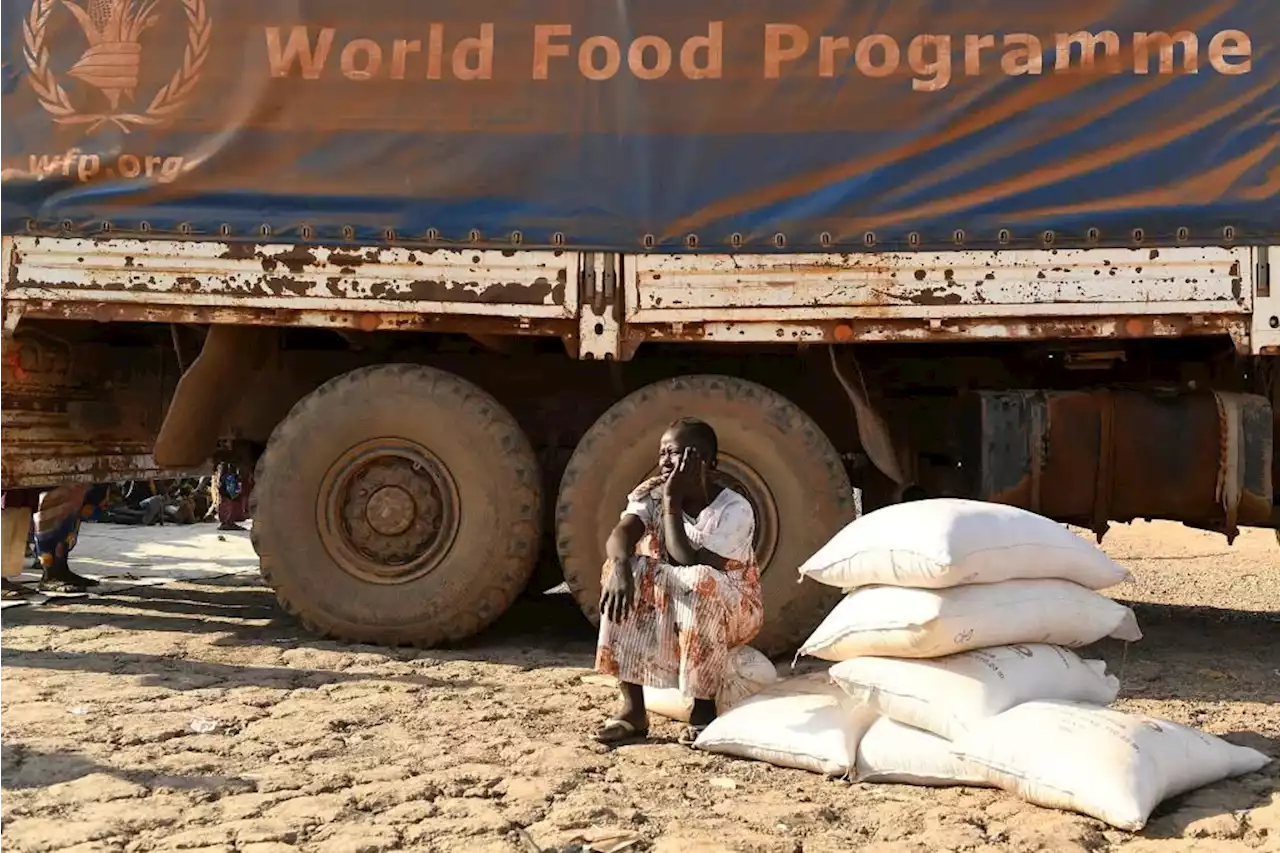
x=25, y=768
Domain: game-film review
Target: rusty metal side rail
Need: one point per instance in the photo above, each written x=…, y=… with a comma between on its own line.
x=213, y=275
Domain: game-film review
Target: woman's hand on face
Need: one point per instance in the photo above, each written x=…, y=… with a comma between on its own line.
x=617, y=596
x=685, y=478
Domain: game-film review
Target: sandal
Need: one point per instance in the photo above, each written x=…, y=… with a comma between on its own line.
x=617, y=732
x=59, y=587
x=15, y=591
x=689, y=735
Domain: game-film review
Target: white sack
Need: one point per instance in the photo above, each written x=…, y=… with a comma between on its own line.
x=894, y=753
x=748, y=673
x=1114, y=766
x=948, y=696
x=804, y=722
x=893, y=621
x=945, y=542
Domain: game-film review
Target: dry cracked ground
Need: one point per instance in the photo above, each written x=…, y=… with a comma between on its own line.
x=194, y=717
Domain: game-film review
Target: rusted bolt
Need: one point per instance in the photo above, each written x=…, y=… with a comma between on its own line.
x=844, y=332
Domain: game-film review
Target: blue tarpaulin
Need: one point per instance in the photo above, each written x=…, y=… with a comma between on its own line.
x=764, y=125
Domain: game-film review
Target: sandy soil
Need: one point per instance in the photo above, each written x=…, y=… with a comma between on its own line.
x=192, y=717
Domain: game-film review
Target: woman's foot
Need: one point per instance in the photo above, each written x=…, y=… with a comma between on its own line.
x=619, y=732
x=229, y=525
x=702, y=715
x=689, y=735
x=632, y=722
x=59, y=578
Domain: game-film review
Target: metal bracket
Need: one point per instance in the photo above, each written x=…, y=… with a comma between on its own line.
x=1266, y=305
x=600, y=313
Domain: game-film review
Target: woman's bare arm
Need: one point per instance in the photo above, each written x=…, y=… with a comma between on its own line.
x=622, y=542
x=680, y=550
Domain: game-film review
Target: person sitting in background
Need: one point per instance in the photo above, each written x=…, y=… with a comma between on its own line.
x=680, y=585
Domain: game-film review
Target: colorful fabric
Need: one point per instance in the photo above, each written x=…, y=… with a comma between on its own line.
x=57, y=519
x=685, y=618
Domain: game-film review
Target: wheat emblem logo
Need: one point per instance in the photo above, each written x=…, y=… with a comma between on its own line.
x=112, y=63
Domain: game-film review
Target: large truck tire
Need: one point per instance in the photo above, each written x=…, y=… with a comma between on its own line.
x=397, y=505
x=770, y=451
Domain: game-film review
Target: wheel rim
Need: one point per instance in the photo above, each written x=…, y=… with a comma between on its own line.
x=388, y=511
x=733, y=473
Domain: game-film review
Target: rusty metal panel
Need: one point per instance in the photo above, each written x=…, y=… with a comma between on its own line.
x=187, y=274
x=909, y=329
x=1096, y=456
x=75, y=411
x=938, y=285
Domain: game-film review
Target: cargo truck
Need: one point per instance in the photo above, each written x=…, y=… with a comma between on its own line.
x=446, y=270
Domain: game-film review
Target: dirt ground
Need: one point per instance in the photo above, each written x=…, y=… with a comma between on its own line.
x=194, y=717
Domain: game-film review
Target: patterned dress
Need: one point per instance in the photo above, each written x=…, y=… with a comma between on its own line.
x=57, y=520
x=685, y=619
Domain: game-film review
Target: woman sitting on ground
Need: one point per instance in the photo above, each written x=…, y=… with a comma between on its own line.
x=681, y=585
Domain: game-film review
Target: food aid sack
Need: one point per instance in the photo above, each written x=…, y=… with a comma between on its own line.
x=946, y=542
x=949, y=696
x=896, y=754
x=1107, y=764
x=805, y=722
x=748, y=672
x=891, y=621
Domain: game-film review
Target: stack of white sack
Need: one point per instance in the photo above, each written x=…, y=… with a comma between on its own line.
x=952, y=668
x=748, y=673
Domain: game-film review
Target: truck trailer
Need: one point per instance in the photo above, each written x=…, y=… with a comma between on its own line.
x=446, y=271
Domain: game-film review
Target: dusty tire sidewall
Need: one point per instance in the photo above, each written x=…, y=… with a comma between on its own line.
x=489, y=460
x=755, y=424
